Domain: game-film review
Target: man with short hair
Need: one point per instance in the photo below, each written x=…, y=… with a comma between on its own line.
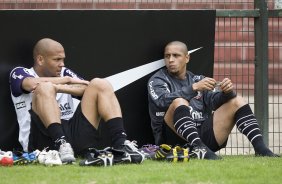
x=58, y=109
x=194, y=110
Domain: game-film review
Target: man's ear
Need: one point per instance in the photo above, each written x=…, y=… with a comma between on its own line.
x=39, y=60
x=187, y=58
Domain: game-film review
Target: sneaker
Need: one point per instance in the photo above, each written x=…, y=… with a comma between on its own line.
x=203, y=152
x=96, y=157
x=131, y=148
x=31, y=157
x=165, y=152
x=52, y=158
x=119, y=156
x=24, y=158
x=6, y=158
x=149, y=150
x=20, y=158
x=42, y=156
x=109, y=157
x=182, y=154
x=266, y=153
x=66, y=153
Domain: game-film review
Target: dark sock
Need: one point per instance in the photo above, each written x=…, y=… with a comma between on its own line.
x=56, y=133
x=247, y=124
x=184, y=125
x=117, y=132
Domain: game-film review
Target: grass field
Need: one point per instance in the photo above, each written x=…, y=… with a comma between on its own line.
x=231, y=169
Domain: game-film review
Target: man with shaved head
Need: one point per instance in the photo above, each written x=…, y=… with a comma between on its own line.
x=191, y=106
x=58, y=109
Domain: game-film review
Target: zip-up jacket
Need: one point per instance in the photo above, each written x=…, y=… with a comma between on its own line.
x=163, y=88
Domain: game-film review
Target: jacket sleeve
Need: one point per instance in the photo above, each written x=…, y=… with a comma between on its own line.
x=160, y=92
x=214, y=100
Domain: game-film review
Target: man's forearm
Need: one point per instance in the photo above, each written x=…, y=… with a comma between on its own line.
x=30, y=83
x=73, y=89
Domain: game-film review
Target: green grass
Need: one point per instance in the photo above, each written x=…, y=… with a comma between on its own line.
x=231, y=169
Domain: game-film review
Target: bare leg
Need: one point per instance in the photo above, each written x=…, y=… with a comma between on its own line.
x=237, y=111
x=223, y=120
x=44, y=104
x=99, y=100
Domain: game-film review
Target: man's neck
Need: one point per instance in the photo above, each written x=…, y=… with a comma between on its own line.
x=180, y=76
x=37, y=71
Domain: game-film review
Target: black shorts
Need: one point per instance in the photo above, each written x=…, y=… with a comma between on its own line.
x=206, y=134
x=78, y=131
x=163, y=134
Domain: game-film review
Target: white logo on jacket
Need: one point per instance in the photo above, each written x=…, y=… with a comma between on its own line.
x=152, y=92
x=17, y=76
x=160, y=113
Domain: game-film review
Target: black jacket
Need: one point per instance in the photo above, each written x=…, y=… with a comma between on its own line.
x=164, y=88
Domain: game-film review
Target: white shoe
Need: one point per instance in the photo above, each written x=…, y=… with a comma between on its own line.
x=42, y=156
x=7, y=154
x=36, y=153
x=52, y=158
x=131, y=148
x=6, y=158
x=66, y=153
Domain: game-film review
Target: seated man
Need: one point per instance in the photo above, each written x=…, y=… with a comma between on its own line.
x=48, y=114
x=191, y=107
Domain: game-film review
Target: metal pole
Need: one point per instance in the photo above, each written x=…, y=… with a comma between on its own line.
x=261, y=67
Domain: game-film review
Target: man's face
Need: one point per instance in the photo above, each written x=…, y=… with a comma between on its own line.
x=176, y=59
x=53, y=61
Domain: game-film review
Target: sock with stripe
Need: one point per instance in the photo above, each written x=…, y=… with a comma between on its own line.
x=185, y=125
x=247, y=124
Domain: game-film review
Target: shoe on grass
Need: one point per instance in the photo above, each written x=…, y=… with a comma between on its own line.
x=66, y=153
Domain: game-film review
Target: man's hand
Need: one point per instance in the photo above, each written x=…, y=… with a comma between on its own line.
x=226, y=85
x=204, y=84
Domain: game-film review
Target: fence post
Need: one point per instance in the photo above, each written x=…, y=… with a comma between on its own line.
x=261, y=67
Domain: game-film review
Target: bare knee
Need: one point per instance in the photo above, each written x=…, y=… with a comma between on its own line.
x=178, y=102
x=45, y=90
x=101, y=85
x=237, y=102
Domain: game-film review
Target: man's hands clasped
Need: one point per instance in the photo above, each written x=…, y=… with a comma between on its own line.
x=208, y=83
